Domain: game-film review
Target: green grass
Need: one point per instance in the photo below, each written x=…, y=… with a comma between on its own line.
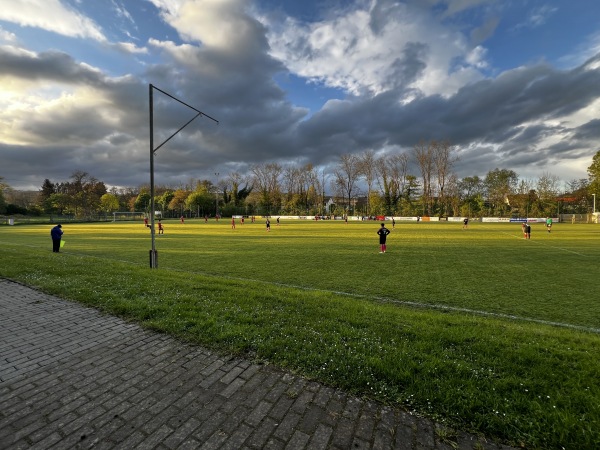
x=425, y=325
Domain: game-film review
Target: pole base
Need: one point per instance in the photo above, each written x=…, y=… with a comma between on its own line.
x=153, y=259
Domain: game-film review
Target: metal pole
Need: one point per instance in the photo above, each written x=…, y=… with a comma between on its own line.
x=217, y=196
x=594, y=195
x=153, y=253
x=153, y=261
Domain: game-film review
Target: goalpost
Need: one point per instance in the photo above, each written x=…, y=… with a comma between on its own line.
x=128, y=215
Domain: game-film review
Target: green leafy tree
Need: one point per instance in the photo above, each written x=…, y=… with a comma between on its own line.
x=44, y=196
x=472, y=191
x=594, y=176
x=142, y=202
x=175, y=201
x=59, y=203
x=109, y=203
x=199, y=202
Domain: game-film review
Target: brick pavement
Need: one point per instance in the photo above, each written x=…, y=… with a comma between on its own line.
x=73, y=377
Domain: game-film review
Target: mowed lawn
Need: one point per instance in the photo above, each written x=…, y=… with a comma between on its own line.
x=478, y=328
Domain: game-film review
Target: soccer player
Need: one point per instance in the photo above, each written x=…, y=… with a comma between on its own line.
x=383, y=232
x=233, y=223
x=146, y=222
x=527, y=231
x=181, y=218
x=549, y=224
x=268, y=223
x=161, y=230
x=465, y=223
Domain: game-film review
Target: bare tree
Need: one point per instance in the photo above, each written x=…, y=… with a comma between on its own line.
x=312, y=189
x=346, y=175
x=547, y=187
x=266, y=178
x=367, y=167
x=443, y=161
x=424, y=154
x=392, y=171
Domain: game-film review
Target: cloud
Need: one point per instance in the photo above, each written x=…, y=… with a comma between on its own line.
x=50, y=15
x=537, y=17
x=457, y=6
x=129, y=48
x=407, y=77
x=6, y=37
x=367, y=51
x=483, y=32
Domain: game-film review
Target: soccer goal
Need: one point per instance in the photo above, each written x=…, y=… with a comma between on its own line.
x=128, y=215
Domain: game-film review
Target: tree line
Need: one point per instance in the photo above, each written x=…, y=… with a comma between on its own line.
x=359, y=184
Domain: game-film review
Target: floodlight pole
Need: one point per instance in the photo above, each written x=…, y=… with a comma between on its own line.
x=153, y=254
x=217, y=197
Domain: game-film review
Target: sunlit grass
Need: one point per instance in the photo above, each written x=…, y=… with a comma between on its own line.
x=318, y=298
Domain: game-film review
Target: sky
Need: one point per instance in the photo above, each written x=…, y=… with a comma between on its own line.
x=510, y=84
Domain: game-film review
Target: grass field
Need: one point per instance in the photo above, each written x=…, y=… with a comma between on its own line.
x=477, y=328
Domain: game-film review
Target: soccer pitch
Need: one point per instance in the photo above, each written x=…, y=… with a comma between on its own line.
x=478, y=328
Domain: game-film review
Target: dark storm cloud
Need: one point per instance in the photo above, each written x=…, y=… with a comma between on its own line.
x=589, y=131
x=48, y=66
x=407, y=69
x=502, y=113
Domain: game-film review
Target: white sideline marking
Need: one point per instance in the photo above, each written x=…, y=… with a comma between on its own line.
x=413, y=304
x=543, y=243
x=368, y=297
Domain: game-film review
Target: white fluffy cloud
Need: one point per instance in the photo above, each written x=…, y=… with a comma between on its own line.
x=369, y=51
x=51, y=15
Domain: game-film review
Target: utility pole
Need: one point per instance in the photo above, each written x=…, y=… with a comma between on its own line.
x=153, y=253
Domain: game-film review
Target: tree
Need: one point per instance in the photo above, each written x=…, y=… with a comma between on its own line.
x=237, y=195
x=199, y=201
x=109, y=203
x=579, y=192
x=84, y=193
x=174, y=201
x=500, y=183
x=547, y=188
x=594, y=176
x=367, y=166
x=472, y=191
x=59, y=202
x=346, y=175
x=2, y=200
x=424, y=154
x=142, y=202
x=443, y=162
x=393, y=179
x=267, y=179
x=452, y=195
x=523, y=200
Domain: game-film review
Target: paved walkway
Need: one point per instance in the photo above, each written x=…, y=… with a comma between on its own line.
x=72, y=377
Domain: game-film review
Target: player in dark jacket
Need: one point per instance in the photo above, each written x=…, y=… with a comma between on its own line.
x=56, y=234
